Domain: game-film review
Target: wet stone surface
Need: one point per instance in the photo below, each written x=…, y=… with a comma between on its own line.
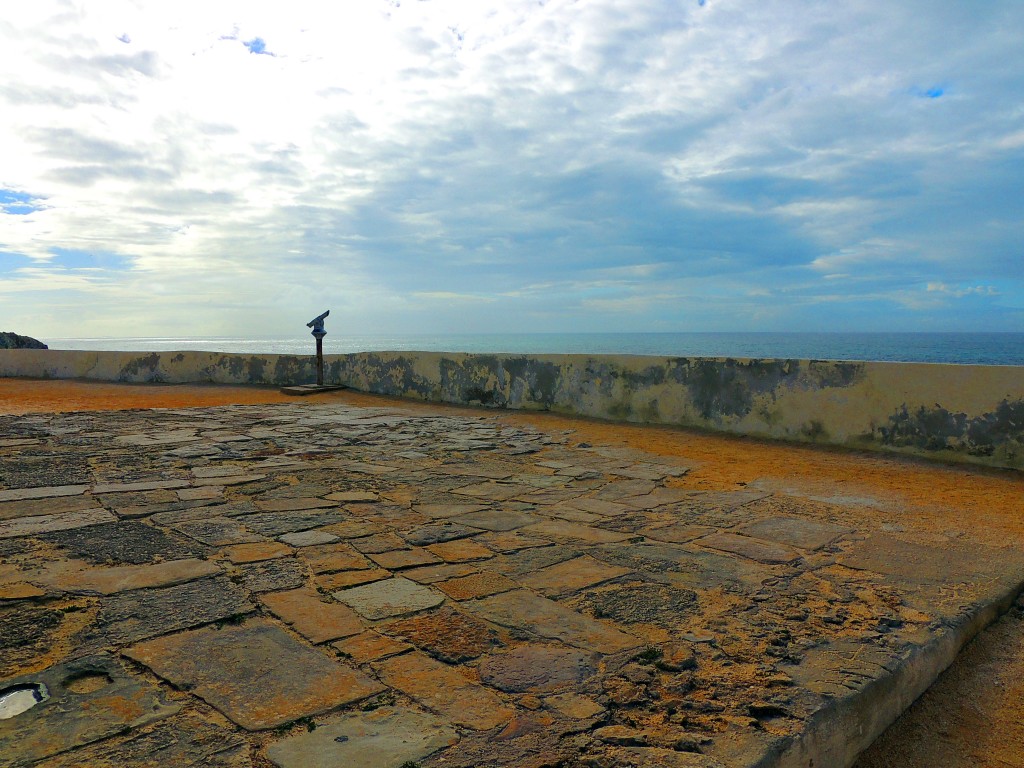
x=322, y=584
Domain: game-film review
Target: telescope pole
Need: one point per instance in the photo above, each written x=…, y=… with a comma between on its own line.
x=319, y=361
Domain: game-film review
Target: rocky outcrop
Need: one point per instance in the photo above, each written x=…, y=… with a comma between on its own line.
x=10, y=340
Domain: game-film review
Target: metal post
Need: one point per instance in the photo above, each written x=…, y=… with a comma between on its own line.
x=317, y=324
x=319, y=361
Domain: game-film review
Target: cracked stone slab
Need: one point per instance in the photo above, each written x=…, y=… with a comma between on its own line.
x=217, y=531
x=537, y=668
x=24, y=494
x=496, y=519
x=796, y=532
x=277, y=523
x=37, y=507
x=922, y=563
x=88, y=699
x=370, y=646
x=109, y=581
x=436, y=534
x=127, y=542
x=272, y=575
x=145, y=485
x=446, y=634
x=444, y=690
x=182, y=741
x=390, y=597
x=332, y=558
x=384, y=738
x=476, y=585
x=131, y=616
x=560, y=530
x=256, y=551
x=752, y=549
x=62, y=521
x=257, y=675
x=572, y=575
x=546, y=618
x=308, y=538
x=293, y=505
x=437, y=511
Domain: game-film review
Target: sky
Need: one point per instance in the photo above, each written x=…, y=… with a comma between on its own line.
x=457, y=166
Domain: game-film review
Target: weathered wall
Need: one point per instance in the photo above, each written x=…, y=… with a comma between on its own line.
x=953, y=412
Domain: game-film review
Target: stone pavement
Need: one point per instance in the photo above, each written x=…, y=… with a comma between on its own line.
x=327, y=585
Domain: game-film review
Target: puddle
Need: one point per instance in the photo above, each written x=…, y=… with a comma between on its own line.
x=21, y=698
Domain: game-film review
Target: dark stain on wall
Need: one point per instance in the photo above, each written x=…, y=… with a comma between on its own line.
x=937, y=428
x=727, y=388
x=829, y=373
x=147, y=367
x=292, y=370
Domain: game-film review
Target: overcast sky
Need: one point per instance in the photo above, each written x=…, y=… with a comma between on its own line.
x=234, y=168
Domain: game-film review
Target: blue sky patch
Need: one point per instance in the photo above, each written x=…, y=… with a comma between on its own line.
x=71, y=258
x=932, y=92
x=17, y=203
x=257, y=45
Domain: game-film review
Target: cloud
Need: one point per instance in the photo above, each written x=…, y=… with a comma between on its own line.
x=561, y=165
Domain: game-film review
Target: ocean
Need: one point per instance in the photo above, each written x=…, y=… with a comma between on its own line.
x=964, y=348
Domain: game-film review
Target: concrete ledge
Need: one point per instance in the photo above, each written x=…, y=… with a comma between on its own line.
x=962, y=413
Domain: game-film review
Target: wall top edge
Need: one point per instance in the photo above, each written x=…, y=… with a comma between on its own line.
x=547, y=357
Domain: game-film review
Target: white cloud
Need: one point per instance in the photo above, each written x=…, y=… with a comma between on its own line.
x=557, y=160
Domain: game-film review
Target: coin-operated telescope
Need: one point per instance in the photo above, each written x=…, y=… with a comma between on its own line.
x=317, y=324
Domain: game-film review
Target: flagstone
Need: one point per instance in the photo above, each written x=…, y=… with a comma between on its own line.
x=217, y=531
x=293, y=505
x=391, y=597
x=398, y=559
x=571, y=576
x=256, y=551
x=308, y=538
x=144, y=485
x=20, y=590
x=384, y=738
x=312, y=615
x=435, y=534
x=333, y=557
x=370, y=646
x=108, y=581
x=753, y=549
x=676, y=533
x=447, y=510
x=87, y=700
x=460, y=551
x=256, y=674
x=444, y=690
x=24, y=494
x=545, y=618
x=364, y=497
x=795, y=532
x=131, y=616
x=431, y=574
x=537, y=668
x=330, y=582
x=493, y=491
x=62, y=521
x=47, y=506
x=476, y=585
x=560, y=530
x=496, y=519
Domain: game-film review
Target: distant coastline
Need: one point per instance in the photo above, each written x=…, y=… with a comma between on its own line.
x=957, y=348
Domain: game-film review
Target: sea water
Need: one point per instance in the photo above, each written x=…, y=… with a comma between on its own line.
x=965, y=348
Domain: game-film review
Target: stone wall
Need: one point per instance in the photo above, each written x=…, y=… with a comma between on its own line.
x=952, y=412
